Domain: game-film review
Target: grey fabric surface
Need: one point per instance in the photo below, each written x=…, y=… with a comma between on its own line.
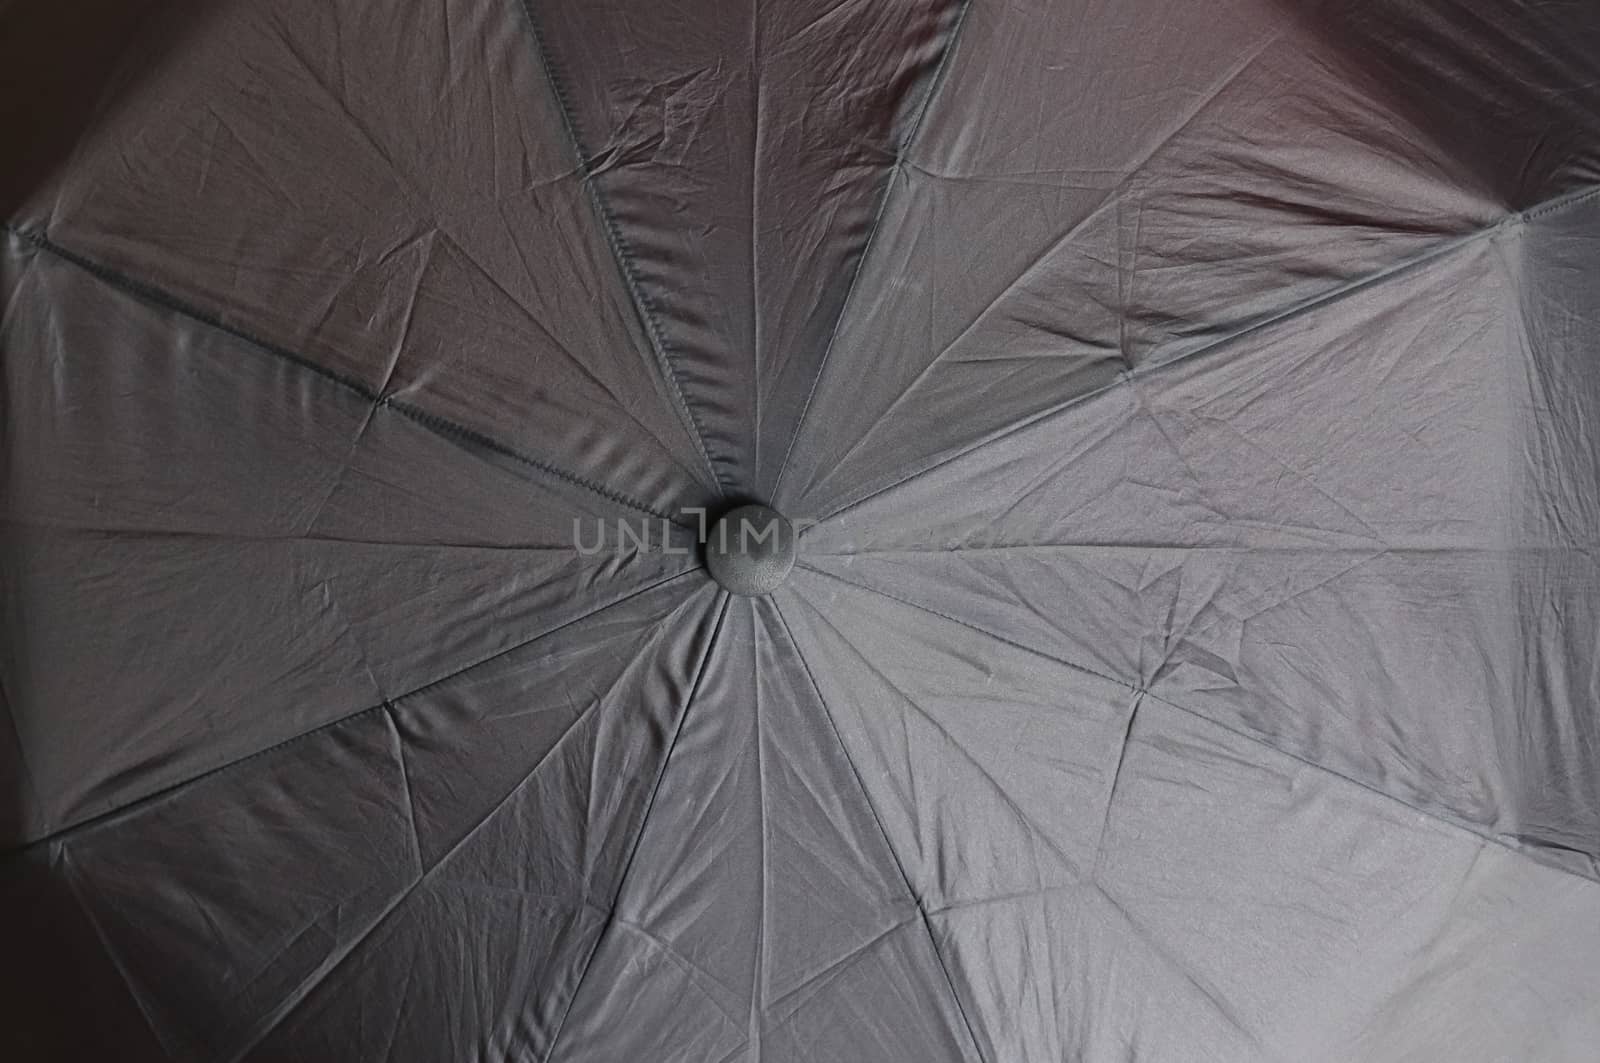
x=1192, y=414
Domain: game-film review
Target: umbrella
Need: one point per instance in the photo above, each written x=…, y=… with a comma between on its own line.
x=816, y=530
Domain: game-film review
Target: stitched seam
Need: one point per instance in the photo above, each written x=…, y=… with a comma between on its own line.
x=442, y=426
x=446, y=427
x=151, y=294
x=620, y=250
x=1560, y=204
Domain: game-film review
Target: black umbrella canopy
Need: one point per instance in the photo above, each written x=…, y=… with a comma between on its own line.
x=1168, y=633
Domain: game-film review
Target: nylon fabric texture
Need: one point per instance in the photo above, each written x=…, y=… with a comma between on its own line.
x=1188, y=414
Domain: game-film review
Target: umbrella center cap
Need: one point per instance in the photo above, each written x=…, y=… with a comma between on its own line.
x=751, y=550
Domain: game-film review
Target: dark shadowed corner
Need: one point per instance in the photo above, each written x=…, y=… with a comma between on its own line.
x=65, y=67
x=61, y=997
x=1488, y=87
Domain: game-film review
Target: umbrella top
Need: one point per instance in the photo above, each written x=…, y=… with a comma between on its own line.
x=751, y=550
x=1190, y=413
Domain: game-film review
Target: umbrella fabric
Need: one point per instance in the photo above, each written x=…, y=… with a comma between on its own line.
x=1191, y=412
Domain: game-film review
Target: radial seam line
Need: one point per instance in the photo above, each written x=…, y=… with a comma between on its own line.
x=644, y=822
x=1441, y=816
x=75, y=891
x=387, y=705
x=643, y=305
x=758, y=974
x=755, y=231
x=440, y=426
x=935, y=84
x=1111, y=790
x=894, y=855
x=1344, y=291
x=303, y=992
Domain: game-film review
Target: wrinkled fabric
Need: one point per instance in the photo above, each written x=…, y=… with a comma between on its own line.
x=1193, y=417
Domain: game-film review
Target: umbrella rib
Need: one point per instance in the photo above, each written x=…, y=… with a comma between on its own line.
x=755, y=233
x=621, y=253
x=297, y=999
x=75, y=891
x=638, y=836
x=697, y=975
x=1437, y=815
x=135, y=534
x=547, y=335
x=440, y=426
x=758, y=970
x=834, y=970
x=902, y=157
x=386, y=705
x=894, y=855
x=1111, y=200
x=1141, y=549
x=1337, y=295
x=1213, y=998
x=28, y=785
x=1111, y=791
x=337, y=959
x=405, y=780
x=468, y=438
x=990, y=779
x=151, y=294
